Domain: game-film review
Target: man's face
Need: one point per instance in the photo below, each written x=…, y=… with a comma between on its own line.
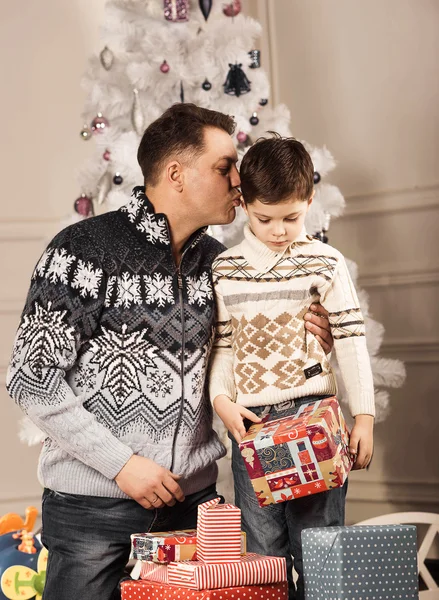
x=277, y=225
x=211, y=181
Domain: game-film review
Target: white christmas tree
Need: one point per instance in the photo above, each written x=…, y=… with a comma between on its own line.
x=156, y=53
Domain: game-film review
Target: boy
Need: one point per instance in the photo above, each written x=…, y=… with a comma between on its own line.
x=264, y=356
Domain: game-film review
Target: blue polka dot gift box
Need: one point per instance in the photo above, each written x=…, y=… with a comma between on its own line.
x=363, y=562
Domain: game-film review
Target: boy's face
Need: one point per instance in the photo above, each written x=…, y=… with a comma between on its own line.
x=277, y=225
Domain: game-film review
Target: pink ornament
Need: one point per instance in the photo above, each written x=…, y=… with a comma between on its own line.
x=106, y=155
x=176, y=11
x=241, y=137
x=99, y=124
x=164, y=67
x=231, y=9
x=84, y=206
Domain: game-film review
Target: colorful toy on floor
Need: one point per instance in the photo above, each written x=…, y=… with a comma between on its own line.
x=13, y=522
x=23, y=559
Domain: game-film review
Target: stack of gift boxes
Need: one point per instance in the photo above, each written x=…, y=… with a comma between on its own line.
x=303, y=452
x=209, y=563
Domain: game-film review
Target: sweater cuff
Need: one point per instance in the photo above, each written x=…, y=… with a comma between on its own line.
x=217, y=388
x=110, y=458
x=364, y=405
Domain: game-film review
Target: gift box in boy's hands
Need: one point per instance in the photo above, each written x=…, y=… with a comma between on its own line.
x=303, y=452
x=167, y=546
x=147, y=590
x=359, y=562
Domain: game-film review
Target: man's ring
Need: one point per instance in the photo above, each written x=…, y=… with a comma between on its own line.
x=155, y=499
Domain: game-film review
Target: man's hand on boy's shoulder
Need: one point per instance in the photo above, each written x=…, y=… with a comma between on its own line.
x=317, y=322
x=233, y=415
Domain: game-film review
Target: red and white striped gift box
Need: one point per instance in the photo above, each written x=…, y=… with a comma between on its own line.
x=218, y=532
x=252, y=569
x=153, y=571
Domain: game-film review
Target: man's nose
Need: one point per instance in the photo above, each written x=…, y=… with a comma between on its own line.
x=235, y=179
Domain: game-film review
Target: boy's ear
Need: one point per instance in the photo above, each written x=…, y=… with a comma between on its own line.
x=311, y=199
x=244, y=206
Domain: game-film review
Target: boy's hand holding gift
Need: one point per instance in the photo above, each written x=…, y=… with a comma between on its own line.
x=233, y=415
x=361, y=441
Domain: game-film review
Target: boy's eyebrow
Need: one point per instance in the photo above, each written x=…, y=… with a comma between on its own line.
x=269, y=217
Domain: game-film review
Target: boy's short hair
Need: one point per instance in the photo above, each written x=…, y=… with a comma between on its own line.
x=179, y=132
x=275, y=169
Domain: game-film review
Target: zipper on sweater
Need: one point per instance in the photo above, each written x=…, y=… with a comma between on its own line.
x=183, y=344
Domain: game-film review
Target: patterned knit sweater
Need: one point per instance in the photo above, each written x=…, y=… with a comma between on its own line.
x=263, y=354
x=111, y=353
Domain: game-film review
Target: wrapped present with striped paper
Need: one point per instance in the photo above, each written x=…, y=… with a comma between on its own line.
x=252, y=569
x=150, y=571
x=218, y=532
x=301, y=451
x=168, y=546
x=148, y=590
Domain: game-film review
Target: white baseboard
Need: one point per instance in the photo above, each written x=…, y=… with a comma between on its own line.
x=401, y=279
x=27, y=231
x=417, y=493
x=19, y=505
x=411, y=350
x=392, y=201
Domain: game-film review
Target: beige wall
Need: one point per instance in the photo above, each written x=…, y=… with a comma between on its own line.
x=44, y=47
x=359, y=77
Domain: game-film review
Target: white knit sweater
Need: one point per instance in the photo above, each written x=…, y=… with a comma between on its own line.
x=262, y=352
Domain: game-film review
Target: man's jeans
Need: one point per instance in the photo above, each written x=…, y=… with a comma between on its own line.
x=88, y=538
x=276, y=529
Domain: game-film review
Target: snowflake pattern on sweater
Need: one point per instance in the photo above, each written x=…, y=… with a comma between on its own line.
x=108, y=350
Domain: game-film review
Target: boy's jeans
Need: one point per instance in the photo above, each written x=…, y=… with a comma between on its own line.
x=88, y=538
x=276, y=529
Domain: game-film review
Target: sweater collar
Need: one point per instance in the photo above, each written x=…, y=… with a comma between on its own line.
x=153, y=226
x=261, y=257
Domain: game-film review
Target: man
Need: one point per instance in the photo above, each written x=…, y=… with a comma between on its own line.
x=111, y=354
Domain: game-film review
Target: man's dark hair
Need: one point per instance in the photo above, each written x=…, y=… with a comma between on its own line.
x=178, y=132
x=275, y=169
